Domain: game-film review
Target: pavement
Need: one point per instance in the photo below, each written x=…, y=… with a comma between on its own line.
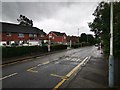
x=92, y=75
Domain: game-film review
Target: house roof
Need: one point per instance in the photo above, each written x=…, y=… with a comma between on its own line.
x=15, y=28
x=58, y=33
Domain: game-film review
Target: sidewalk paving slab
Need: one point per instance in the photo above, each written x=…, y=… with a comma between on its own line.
x=93, y=75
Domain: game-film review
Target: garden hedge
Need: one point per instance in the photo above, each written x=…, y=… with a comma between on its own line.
x=8, y=52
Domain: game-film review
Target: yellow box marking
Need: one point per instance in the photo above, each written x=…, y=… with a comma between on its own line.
x=31, y=70
x=69, y=74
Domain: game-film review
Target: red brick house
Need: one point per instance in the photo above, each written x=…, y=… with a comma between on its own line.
x=57, y=37
x=18, y=34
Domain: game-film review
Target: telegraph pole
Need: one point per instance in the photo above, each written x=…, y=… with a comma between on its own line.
x=111, y=57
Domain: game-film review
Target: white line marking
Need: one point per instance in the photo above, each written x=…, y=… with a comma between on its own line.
x=77, y=60
x=39, y=64
x=46, y=62
x=8, y=76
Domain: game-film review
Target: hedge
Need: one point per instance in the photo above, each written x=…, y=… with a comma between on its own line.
x=58, y=47
x=8, y=52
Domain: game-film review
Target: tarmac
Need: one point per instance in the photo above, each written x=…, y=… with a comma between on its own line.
x=29, y=56
x=93, y=75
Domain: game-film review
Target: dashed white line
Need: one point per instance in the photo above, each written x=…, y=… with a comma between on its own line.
x=8, y=76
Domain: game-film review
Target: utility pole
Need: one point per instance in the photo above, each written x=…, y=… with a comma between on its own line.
x=78, y=37
x=111, y=57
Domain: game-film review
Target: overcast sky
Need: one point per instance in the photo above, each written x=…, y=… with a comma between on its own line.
x=52, y=16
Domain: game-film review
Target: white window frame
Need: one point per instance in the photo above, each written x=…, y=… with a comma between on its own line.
x=64, y=37
x=35, y=35
x=8, y=34
x=31, y=35
x=21, y=35
x=42, y=35
x=53, y=37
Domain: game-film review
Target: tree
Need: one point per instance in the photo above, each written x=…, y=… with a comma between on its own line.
x=83, y=37
x=101, y=26
x=25, y=21
x=90, y=39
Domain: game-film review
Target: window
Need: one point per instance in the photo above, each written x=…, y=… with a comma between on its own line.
x=35, y=35
x=64, y=37
x=53, y=38
x=20, y=35
x=8, y=34
x=42, y=35
x=50, y=35
x=30, y=35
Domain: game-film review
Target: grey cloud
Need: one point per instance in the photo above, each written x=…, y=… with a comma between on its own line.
x=33, y=10
x=62, y=16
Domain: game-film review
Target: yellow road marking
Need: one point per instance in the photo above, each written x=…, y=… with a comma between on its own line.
x=69, y=74
x=38, y=57
x=8, y=76
x=26, y=60
x=59, y=84
x=15, y=62
x=57, y=76
x=9, y=64
x=31, y=70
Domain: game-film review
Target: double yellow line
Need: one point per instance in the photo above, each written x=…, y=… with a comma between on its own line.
x=69, y=74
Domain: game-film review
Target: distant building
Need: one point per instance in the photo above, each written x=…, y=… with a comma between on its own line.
x=74, y=39
x=57, y=37
x=20, y=35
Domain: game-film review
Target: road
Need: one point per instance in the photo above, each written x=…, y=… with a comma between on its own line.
x=48, y=71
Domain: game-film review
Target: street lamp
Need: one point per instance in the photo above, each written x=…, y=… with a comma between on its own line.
x=49, y=43
x=78, y=37
x=111, y=58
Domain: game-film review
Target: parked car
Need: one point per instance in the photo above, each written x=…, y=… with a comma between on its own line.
x=96, y=45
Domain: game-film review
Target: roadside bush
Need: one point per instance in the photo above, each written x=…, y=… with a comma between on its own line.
x=8, y=52
x=58, y=47
x=75, y=46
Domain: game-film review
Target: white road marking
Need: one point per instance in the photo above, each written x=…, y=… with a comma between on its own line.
x=39, y=64
x=8, y=76
x=78, y=60
x=46, y=62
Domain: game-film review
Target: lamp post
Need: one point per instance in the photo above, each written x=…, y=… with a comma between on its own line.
x=49, y=43
x=78, y=37
x=111, y=57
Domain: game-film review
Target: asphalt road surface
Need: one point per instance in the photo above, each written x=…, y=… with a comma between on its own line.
x=48, y=71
